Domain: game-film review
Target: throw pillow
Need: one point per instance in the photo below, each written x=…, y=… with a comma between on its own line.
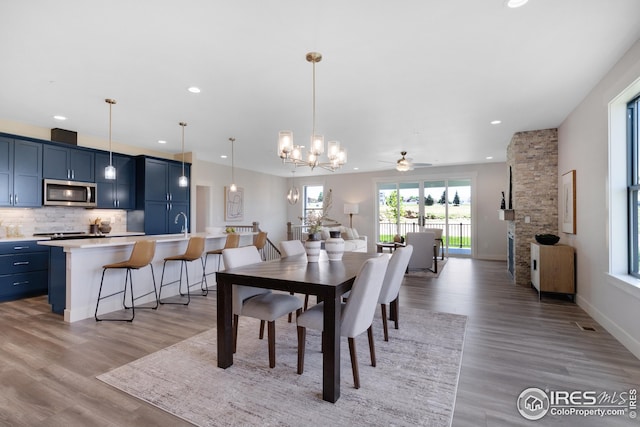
x=355, y=233
x=347, y=234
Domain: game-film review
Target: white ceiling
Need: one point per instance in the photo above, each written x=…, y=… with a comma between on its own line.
x=423, y=76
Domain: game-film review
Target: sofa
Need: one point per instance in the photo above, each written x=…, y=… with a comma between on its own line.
x=353, y=242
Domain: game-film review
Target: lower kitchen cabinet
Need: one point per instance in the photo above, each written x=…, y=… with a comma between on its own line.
x=24, y=268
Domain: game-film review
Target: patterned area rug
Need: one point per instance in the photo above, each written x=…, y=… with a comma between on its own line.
x=414, y=383
x=426, y=273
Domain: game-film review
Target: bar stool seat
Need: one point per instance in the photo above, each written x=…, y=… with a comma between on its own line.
x=141, y=256
x=194, y=251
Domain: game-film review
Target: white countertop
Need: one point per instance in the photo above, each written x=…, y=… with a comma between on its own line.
x=47, y=238
x=103, y=242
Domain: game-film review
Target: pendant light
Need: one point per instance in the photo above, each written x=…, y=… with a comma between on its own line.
x=294, y=194
x=183, y=181
x=110, y=171
x=292, y=153
x=232, y=187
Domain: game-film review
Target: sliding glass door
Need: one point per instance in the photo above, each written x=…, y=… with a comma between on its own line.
x=419, y=205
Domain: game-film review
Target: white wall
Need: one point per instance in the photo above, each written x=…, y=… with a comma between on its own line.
x=264, y=197
x=488, y=233
x=583, y=146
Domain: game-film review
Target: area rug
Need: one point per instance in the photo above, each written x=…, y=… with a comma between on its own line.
x=414, y=383
x=426, y=273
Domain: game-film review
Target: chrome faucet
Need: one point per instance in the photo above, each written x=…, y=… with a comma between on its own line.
x=186, y=222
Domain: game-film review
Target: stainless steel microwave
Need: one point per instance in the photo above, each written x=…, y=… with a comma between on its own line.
x=69, y=193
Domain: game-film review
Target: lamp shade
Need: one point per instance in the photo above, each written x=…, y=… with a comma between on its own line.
x=351, y=208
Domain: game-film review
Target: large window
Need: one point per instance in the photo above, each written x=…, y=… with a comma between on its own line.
x=633, y=130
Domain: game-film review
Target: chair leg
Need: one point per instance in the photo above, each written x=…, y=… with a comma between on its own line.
x=261, y=336
x=302, y=334
x=395, y=310
x=372, y=347
x=183, y=265
x=124, y=292
x=271, y=338
x=204, y=286
x=383, y=308
x=354, y=362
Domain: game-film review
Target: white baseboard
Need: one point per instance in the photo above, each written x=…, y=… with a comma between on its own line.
x=619, y=333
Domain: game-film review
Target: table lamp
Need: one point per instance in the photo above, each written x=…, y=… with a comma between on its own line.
x=351, y=209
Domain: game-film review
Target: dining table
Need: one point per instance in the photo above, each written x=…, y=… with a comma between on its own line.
x=327, y=280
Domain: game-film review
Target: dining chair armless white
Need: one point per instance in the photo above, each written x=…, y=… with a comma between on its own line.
x=294, y=248
x=257, y=302
x=356, y=315
x=391, y=284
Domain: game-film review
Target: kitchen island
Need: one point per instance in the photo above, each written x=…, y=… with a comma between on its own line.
x=81, y=261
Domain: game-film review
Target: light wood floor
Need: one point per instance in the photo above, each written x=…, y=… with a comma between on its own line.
x=513, y=341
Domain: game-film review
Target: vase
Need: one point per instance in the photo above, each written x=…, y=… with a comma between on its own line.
x=334, y=246
x=312, y=248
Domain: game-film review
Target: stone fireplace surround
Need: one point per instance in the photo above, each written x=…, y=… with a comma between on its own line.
x=533, y=158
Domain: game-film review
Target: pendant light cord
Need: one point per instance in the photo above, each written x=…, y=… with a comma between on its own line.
x=183, y=124
x=233, y=177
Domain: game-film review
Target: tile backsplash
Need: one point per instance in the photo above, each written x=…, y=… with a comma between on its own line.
x=57, y=219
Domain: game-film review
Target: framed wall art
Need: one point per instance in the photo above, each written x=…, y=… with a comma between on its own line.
x=233, y=204
x=568, y=201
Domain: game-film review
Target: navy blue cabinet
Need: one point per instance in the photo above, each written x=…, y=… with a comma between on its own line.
x=20, y=173
x=75, y=164
x=159, y=198
x=24, y=268
x=118, y=193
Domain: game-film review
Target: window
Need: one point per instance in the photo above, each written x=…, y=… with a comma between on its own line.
x=633, y=184
x=313, y=197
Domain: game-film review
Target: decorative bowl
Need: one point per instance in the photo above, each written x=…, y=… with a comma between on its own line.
x=547, y=239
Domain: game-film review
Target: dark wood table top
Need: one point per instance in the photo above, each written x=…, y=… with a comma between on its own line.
x=300, y=276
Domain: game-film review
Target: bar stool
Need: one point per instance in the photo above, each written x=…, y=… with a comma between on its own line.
x=233, y=241
x=141, y=256
x=194, y=251
x=260, y=242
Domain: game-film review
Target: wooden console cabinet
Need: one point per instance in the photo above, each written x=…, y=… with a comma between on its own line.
x=553, y=269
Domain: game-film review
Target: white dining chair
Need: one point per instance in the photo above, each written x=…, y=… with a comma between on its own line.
x=294, y=248
x=391, y=284
x=257, y=302
x=356, y=315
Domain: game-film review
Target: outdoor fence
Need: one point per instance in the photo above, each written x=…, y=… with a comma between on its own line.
x=458, y=235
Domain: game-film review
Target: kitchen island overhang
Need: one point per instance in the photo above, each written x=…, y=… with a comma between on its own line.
x=84, y=259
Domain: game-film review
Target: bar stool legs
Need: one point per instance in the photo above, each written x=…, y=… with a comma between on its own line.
x=141, y=256
x=194, y=251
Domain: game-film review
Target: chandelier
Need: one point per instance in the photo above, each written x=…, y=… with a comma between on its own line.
x=291, y=153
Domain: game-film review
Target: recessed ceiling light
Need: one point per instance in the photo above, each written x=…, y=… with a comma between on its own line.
x=489, y=157
x=223, y=156
x=355, y=169
x=194, y=89
x=162, y=141
x=61, y=118
x=515, y=3
x=496, y=122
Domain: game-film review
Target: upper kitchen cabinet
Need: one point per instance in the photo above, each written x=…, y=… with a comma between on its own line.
x=158, y=180
x=20, y=173
x=159, y=198
x=118, y=193
x=68, y=163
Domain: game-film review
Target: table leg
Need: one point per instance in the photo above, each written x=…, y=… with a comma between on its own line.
x=224, y=326
x=331, y=351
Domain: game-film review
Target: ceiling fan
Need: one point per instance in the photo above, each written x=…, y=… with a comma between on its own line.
x=405, y=163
